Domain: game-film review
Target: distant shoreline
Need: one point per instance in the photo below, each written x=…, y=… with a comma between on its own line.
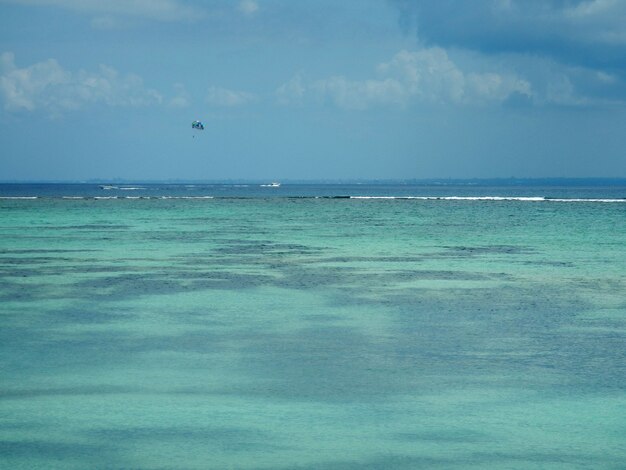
x=574, y=182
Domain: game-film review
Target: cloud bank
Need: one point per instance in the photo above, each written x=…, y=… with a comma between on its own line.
x=49, y=87
x=248, y=7
x=488, y=52
x=587, y=33
x=157, y=10
x=423, y=76
x=223, y=97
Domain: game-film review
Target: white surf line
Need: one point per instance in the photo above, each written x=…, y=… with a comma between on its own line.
x=491, y=198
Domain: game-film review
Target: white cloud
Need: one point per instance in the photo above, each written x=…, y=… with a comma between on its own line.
x=158, y=10
x=248, y=7
x=350, y=94
x=598, y=21
x=561, y=91
x=503, y=5
x=181, y=99
x=425, y=76
x=228, y=98
x=606, y=77
x=430, y=75
x=495, y=87
x=291, y=92
x=585, y=33
x=590, y=8
x=48, y=86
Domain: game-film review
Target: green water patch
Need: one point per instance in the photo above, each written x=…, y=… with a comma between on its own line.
x=311, y=334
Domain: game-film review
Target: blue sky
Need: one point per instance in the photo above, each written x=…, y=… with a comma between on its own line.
x=320, y=89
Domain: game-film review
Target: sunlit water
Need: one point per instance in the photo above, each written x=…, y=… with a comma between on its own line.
x=259, y=330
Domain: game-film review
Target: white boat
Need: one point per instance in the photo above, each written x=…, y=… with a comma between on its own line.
x=271, y=185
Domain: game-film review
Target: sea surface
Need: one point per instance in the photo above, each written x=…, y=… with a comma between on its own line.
x=362, y=326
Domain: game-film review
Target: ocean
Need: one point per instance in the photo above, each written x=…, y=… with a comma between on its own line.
x=312, y=326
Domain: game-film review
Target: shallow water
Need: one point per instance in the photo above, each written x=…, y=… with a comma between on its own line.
x=294, y=332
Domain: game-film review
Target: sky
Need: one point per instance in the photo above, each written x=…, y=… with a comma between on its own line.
x=312, y=89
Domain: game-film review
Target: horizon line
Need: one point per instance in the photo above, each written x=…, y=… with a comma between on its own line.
x=448, y=180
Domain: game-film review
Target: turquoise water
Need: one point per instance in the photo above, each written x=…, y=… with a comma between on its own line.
x=279, y=332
